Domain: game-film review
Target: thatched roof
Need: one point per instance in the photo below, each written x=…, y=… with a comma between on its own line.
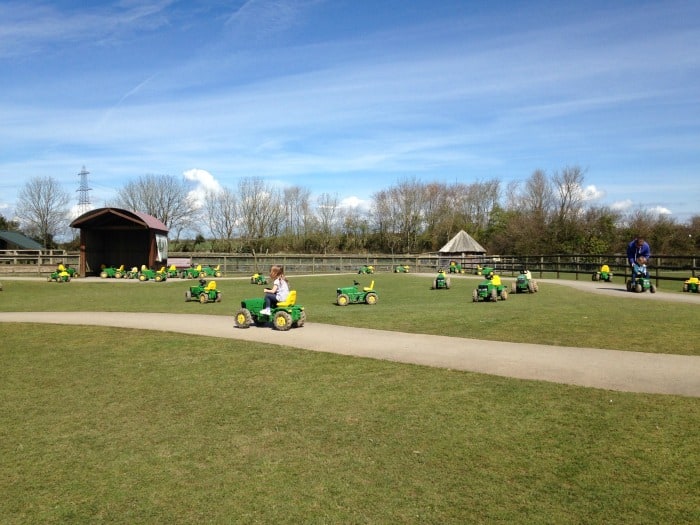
x=462, y=243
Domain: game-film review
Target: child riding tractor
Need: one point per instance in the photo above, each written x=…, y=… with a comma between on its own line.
x=491, y=288
x=287, y=314
x=441, y=282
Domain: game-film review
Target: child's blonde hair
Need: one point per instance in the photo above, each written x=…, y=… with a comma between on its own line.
x=641, y=260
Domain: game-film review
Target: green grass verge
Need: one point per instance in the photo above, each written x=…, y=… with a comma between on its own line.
x=101, y=425
x=557, y=314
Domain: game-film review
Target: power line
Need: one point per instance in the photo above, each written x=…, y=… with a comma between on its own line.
x=83, y=192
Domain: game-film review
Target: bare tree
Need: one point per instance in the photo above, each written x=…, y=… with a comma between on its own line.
x=42, y=208
x=569, y=189
x=327, y=207
x=260, y=211
x=298, y=215
x=165, y=197
x=221, y=211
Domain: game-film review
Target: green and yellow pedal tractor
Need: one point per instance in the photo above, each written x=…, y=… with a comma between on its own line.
x=524, y=283
x=491, y=288
x=692, y=285
x=203, y=292
x=455, y=267
x=356, y=294
x=201, y=272
x=111, y=272
x=441, y=282
x=147, y=274
x=604, y=274
x=640, y=280
x=285, y=315
x=60, y=275
x=401, y=268
x=258, y=278
x=366, y=269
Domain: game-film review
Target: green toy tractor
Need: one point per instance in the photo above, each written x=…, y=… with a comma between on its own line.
x=692, y=285
x=366, y=269
x=201, y=272
x=640, y=282
x=60, y=275
x=604, y=274
x=147, y=274
x=455, y=267
x=401, y=268
x=355, y=294
x=524, y=283
x=490, y=289
x=441, y=282
x=284, y=316
x=110, y=272
x=258, y=278
x=204, y=293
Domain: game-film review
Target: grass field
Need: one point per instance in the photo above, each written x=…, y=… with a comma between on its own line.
x=557, y=314
x=102, y=425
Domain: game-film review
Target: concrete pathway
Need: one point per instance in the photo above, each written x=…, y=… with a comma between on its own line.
x=590, y=367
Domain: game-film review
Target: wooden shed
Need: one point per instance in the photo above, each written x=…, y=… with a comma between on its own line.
x=113, y=236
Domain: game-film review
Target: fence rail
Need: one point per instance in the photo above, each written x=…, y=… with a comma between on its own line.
x=662, y=267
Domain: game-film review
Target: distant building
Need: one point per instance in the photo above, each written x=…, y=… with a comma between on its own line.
x=17, y=241
x=113, y=236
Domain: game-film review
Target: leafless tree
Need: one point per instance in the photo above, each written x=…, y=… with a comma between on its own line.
x=327, y=213
x=298, y=215
x=260, y=211
x=165, y=197
x=569, y=192
x=221, y=208
x=42, y=208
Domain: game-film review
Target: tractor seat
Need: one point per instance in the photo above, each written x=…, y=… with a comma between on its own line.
x=211, y=286
x=290, y=300
x=605, y=268
x=496, y=280
x=369, y=288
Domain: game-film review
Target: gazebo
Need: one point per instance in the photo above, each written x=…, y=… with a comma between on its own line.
x=461, y=249
x=114, y=236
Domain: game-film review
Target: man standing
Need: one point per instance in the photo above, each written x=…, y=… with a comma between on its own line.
x=638, y=247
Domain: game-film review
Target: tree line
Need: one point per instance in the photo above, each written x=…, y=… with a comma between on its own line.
x=546, y=213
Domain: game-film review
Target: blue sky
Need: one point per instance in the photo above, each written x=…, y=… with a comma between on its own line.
x=348, y=97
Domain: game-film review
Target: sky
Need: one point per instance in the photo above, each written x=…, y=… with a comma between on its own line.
x=350, y=97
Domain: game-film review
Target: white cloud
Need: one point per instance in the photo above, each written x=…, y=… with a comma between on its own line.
x=591, y=193
x=205, y=183
x=622, y=205
x=354, y=203
x=660, y=210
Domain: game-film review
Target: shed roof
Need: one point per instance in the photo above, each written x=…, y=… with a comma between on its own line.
x=462, y=243
x=21, y=241
x=114, y=217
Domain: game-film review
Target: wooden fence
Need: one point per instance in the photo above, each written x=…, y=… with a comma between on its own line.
x=581, y=266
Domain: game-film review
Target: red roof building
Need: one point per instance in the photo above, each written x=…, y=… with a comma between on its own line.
x=113, y=236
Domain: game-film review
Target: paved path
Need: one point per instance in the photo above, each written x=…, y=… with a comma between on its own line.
x=607, y=369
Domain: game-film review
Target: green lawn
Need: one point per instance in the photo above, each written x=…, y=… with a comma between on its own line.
x=106, y=425
x=101, y=425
